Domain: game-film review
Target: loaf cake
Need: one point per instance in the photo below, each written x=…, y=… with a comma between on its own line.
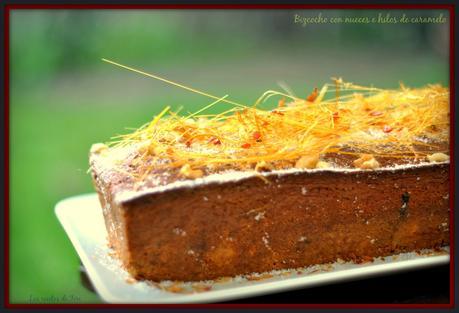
x=361, y=174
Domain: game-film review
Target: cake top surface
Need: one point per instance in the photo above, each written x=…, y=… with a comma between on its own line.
x=342, y=126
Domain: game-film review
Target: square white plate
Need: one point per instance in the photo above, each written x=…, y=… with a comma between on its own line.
x=81, y=217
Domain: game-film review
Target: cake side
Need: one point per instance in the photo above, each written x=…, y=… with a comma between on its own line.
x=114, y=217
x=294, y=220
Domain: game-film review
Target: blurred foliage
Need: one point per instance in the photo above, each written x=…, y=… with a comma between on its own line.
x=46, y=43
x=63, y=98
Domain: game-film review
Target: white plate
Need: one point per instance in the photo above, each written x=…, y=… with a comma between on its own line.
x=82, y=219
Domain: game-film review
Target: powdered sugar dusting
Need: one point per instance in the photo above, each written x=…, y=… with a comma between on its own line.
x=265, y=240
x=235, y=176
x=179, y=231
x=259, y=216
x=304, y=191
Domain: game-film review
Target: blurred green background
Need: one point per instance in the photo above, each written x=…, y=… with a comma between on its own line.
x=64, y=98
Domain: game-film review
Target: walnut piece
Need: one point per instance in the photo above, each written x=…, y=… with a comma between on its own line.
x=148, y=148
x=438, y=157
x=187, y=172
x=323, y=164
x=98, y=148
x=307, y=161
x=366, y=161
x=263, y=166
